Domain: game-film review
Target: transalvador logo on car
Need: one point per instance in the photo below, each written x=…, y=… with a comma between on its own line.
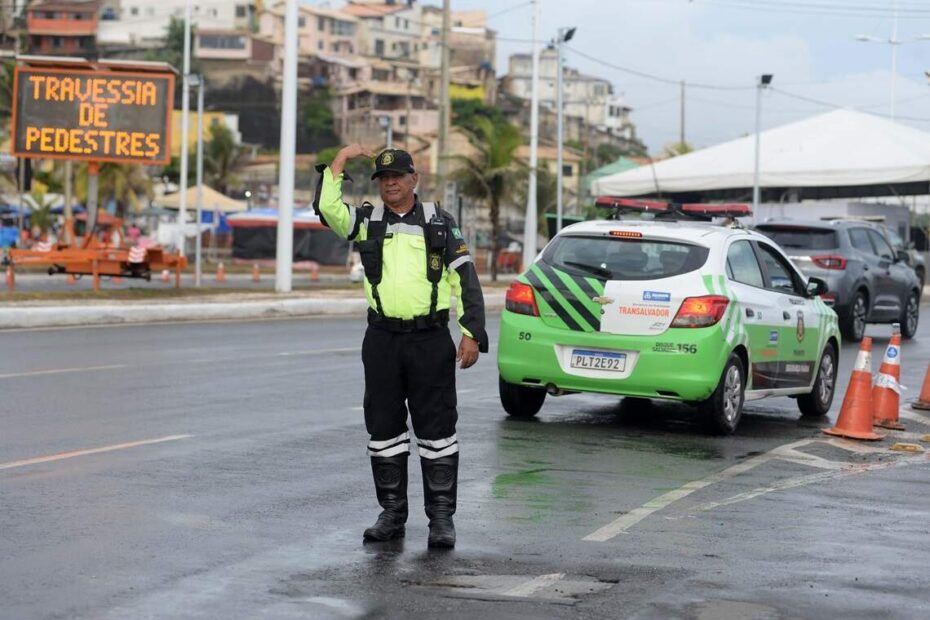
x=656, y=296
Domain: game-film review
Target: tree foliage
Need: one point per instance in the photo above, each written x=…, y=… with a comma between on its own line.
x=490, y=175
x=172, y=51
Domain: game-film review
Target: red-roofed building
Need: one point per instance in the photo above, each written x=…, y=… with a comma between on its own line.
x=57, y=27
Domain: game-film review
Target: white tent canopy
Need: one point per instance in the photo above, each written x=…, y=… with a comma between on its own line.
x=838, y=154
x=212, y=201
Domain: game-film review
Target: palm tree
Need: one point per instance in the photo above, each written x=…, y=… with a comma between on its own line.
x=546, y=192
x=490, y=174
x=222, y=158
x=122, y=183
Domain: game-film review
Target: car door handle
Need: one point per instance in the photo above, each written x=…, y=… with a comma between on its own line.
x=786, y=315
x=750, y=313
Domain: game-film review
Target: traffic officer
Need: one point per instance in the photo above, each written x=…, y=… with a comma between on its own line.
x=415, y=259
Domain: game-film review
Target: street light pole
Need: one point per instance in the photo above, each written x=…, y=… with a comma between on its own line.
x=563, y=36
x=285, y=251
x=198, y=243
x=529, y=224
x=764, y=81
x=185, y=127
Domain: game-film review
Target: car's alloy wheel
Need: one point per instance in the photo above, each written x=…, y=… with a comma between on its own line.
x=725, y=406
x=911, y=316
x=853, y=322
x=819, y=400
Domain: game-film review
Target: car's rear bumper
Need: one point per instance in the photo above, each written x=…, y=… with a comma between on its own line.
x=681, y=364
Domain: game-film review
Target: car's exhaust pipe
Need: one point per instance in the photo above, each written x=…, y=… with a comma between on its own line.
x=554, y=390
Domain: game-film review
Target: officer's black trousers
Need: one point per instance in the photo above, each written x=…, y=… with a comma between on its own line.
x=415, y=369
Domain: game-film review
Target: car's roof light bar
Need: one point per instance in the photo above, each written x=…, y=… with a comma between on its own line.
x=673, y=210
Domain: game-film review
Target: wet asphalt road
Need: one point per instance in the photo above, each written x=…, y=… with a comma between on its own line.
x=249, y=493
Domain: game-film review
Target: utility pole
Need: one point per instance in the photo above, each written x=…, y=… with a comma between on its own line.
x=185, y=127
x=529, y=224
x=764, y=81
x=444, y=103
x=563, y=35
x=285, y=250
x=69, y=210
x=198, y=247
x=681, y=139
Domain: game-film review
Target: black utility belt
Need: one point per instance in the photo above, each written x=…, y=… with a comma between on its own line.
x=416, y=324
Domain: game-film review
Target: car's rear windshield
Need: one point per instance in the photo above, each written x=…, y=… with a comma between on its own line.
x=799, y=237
x=624, y=259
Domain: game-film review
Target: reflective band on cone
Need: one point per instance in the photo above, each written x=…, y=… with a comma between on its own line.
x=855, y=419
x=886, y=395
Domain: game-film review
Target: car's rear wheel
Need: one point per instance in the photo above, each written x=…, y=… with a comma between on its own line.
x=725, y=406
x=818, y=402
x=520, y=401
x=910, y=316
x=852, y=324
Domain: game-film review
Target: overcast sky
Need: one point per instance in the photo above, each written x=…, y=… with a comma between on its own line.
x=809, y=46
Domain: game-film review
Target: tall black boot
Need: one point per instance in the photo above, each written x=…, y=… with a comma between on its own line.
x=390, y=475
x=440, y=486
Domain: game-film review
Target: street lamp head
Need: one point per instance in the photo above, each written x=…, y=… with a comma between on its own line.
x=765, y=79
x=867, y=38
x=569, y=34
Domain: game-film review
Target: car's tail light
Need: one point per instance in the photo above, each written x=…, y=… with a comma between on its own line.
x=700, y=311
x=830, y=262
x=521, y=299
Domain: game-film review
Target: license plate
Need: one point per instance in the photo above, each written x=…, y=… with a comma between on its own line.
x=598, y=360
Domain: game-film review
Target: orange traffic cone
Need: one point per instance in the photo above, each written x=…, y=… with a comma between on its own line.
x=855, y=419
x=165, y=275
x=923, y=403
x=314, y=271
x=71, y=279
x=220, y=273
x=10, y=279
x=256, y=274
x=886, y=395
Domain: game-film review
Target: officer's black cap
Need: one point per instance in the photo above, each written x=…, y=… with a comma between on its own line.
x=393, y=160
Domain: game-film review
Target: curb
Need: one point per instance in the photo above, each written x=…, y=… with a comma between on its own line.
x=115, y=314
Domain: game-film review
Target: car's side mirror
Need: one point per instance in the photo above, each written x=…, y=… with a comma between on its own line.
x=903, y=257
x=816, y=286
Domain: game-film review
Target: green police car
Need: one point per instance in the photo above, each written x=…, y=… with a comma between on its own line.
x=667, y=309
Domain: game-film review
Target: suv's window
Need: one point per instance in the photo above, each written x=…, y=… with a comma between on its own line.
x=779, y=273
x=881, y=245
x=624, y=259
x=799, y=237
x=742, y=265
x=859, y=237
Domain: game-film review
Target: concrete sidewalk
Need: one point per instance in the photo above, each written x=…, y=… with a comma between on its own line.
x=246, y=306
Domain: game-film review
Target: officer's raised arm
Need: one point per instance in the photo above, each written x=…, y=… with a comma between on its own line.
x=463, y=280
x=341, y=218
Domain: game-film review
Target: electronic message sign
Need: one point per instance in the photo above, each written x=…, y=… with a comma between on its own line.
x=115, y=116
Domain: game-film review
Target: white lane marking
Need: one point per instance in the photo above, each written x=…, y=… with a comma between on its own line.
x=852, y=446
x=56, y=371
x=534, y=585
x=318, y=351
x=70, y=455
x=467, y=391
x=358, y=409
x=914, y=417
x=800, y=481
x=621, y=525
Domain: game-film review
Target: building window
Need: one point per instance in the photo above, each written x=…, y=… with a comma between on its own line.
x=108, y=13
x=402, y=120
x=222, y=42
x=566, y=170
x=134, y=11
x=301, y=22
x=241, y=11
x=397, y=22
x=319, y=45
x=57, y=42
x=341, y=28
x=379, y=47
x=320, y=24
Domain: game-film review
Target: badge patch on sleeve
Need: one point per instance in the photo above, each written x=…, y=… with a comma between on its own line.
x=457, y=233
x=462, y=249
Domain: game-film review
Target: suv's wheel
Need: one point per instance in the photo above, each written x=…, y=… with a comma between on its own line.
x=910, y=316
x=818, y=401
x=725, y=406
x=520, y=401
x=852, y=323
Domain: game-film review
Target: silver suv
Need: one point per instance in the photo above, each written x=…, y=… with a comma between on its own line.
x=868, y=281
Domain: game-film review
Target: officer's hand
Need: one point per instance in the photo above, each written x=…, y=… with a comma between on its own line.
x=468, y=352
x=352, y=151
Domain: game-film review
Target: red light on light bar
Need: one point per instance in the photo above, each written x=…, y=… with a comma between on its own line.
x=735, y=209
x=626, y=234
x=631, y=203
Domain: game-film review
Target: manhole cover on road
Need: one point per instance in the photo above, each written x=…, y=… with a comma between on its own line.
x=552, y=588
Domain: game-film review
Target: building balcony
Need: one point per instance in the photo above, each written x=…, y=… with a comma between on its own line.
x=62, y=27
